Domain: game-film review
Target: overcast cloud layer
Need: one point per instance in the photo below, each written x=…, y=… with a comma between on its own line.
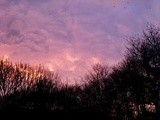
x=71, y=35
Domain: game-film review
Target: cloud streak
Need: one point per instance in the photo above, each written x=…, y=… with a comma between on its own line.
x=71, y=35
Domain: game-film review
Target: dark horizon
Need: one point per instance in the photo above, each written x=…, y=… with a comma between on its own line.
x=66, y=58
x=129, y=91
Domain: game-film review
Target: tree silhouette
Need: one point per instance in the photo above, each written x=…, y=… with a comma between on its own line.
x=24, y=88
x=144, y=51
x=96, y=95
x=121, y=92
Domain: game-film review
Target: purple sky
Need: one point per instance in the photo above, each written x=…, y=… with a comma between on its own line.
x=70, y=36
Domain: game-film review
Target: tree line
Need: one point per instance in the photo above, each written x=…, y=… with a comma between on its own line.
x=128, y=91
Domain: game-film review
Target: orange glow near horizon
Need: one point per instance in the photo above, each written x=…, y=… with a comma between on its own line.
x=50, y=67
x=5, y=57
x=71, y=36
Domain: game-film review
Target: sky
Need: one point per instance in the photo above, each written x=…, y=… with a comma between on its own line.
x=70, y=36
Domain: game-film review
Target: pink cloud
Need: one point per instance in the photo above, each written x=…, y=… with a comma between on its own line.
x=70, y=36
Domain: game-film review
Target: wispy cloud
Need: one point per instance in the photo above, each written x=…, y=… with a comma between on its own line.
x=71, y=35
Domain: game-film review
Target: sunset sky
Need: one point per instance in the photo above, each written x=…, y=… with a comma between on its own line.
x=70, y=36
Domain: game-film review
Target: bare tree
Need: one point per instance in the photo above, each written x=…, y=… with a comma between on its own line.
x=95, y=92
x=145, y=51
x=21, y=85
